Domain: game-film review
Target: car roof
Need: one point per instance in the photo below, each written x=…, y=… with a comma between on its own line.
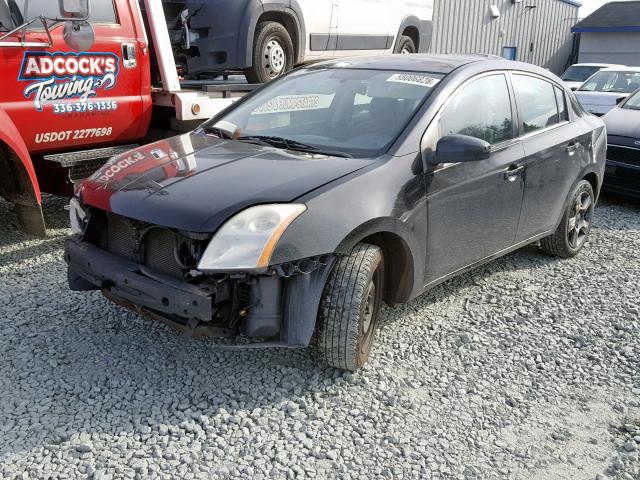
x=445, y=63
x=605, y=65
x=621, y=69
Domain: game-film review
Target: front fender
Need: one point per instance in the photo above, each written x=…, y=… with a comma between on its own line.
x=384, y=203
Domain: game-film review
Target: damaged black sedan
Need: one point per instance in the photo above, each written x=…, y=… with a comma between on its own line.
x=291, y=217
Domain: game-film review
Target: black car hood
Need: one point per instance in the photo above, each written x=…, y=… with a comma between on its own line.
x=623, y=122
x=195, y=182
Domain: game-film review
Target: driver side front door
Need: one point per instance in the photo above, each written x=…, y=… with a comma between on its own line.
x=474, y=207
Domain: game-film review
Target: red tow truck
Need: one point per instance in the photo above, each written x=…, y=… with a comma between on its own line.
x=76, y=89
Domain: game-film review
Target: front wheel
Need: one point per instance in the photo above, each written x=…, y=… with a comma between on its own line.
x=574, y=228
x=349, y=309
x=273, y=53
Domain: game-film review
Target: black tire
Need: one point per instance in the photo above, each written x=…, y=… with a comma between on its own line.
x=273, y=53
x=349, y=309
x=574, y=228
x=406, y=45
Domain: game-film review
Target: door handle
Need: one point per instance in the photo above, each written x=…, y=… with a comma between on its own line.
x=512, y=172
x=572, y=147
x=129, y=55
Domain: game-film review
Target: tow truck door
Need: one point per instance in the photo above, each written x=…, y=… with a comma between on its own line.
x=61, y=99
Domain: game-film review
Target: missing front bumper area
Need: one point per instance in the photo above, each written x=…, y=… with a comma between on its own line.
x=269, y=310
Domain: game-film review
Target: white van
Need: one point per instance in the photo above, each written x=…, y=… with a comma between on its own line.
x=266, y=38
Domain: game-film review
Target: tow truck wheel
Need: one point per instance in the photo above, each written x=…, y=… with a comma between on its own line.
x=273, y=53
x=349, y=309
x=405, y=46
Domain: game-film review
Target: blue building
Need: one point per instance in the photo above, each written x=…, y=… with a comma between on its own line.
x=611, y=34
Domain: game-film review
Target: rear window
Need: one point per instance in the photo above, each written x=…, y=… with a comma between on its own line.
x=563, y=114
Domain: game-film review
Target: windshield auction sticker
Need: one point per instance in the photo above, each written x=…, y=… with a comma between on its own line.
x=414, y=79
x=67, y=81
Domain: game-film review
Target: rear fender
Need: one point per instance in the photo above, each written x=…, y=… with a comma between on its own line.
x=18, y=181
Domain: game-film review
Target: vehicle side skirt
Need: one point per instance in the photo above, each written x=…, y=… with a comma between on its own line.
x=479, y=263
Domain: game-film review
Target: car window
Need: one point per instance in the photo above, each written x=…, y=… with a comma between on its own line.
x=563, y=114
x=6, y=21
x=633, y=102
x=579, y=73
x=482, y=110
x=612, y=81
x=576, y=106
x=357, y=112
x=102, y=11
x=536, y=102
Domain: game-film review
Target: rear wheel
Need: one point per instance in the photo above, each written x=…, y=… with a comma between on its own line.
x=273, y=53
x=573, y=231
x=406, y=46
x=349, y=309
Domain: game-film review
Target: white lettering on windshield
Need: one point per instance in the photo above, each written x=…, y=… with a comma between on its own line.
x=294, y=103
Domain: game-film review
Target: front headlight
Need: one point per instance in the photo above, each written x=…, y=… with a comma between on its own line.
x=77, y=217
x=246, y=241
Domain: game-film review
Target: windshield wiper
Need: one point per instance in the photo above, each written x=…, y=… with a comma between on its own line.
x=286, y=143
x=218, y=132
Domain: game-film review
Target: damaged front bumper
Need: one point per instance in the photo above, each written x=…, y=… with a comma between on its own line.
x=274, y=310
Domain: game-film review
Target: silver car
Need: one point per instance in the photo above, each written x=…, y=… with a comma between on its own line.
x=577, y=74
x=605, y=89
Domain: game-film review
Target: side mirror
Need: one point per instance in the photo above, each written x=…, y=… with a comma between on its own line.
x=74, y=9
x=78, y=33
x=574, y=89
x=461, y=148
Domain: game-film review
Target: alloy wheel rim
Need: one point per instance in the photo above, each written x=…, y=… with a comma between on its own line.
x=274, y=57
x=580, y=220
x=406, y=51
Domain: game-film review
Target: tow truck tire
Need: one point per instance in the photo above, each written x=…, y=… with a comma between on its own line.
x=273, y=53
x=349, y=309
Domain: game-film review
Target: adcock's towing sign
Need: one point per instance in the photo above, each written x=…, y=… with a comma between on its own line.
x=68, y=80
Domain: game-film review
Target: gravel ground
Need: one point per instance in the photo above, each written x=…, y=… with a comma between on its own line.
x=528, y=368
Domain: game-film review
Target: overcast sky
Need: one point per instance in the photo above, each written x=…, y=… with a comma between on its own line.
x=588, y=6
